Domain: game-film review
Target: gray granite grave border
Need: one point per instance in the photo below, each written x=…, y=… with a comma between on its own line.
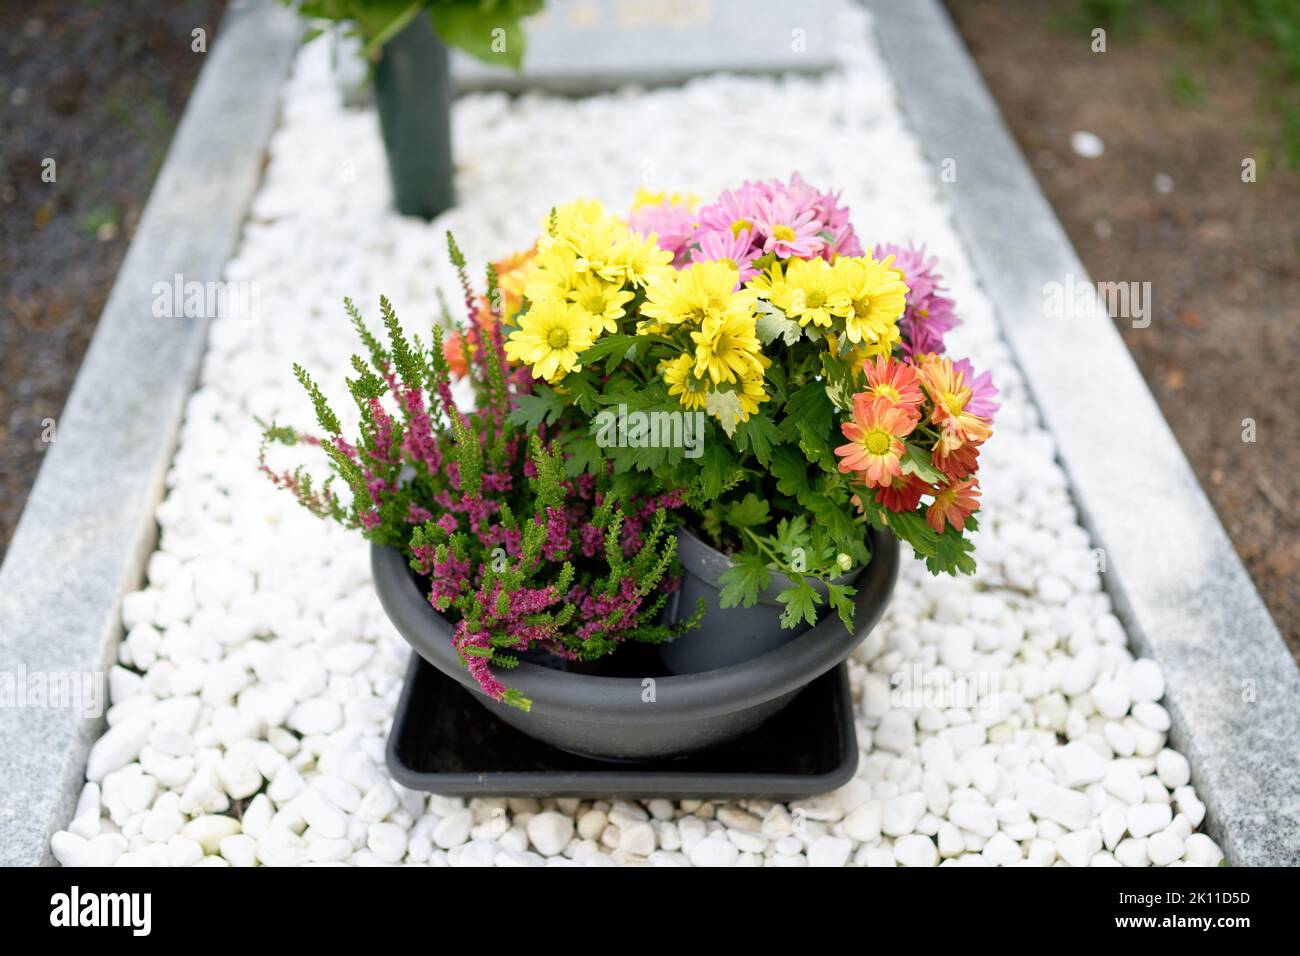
x=1233, y=690
x=88, y=525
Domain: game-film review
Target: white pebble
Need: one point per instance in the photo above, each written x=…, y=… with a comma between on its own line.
x=902, y=813
x=1145, y=819
x=1164, y=847
x=1145, y=681
x=713, y=851
x=316, y=716
x=864, y=822
x=119, y=746
x=1078, y=764
x=1086, y=144
x=453, y=829
x=1173, y=769
x=550, y=832
x=387, y=841
x=1078, y=848
x=1001, y=850
x=209, y=830
x=1111, y=698
x=916, y=850
x=978, y=818
x=829, y=851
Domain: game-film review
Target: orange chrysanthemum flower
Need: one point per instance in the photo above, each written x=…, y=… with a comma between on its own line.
x=903, y=493
x=511, y=272
x=895, y=381
x=953, y=504
x=950, y=393
x=955, y=462
x=875, y=447
x=454, y=348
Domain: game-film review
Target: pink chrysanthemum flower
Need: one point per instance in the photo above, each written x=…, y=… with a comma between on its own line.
x=788, y=230
x=721, y=245
x=929, y=313
x=734, y=210
x=673, y=223
x=844, y=241
x=802, y=195
x=982, y=390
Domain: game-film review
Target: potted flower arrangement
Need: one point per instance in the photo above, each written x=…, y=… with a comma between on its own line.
x=719, y=351
x=407, y=42
x=699, y=431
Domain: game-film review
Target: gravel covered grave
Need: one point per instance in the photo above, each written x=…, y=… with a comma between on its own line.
x=259, y=675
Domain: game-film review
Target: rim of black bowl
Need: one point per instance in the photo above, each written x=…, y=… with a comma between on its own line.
x=619, y=699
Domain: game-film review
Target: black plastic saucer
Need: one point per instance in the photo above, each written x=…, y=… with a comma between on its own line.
x=445, y=742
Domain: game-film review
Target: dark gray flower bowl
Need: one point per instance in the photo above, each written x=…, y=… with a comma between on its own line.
x=734, y=634
x=657, y=715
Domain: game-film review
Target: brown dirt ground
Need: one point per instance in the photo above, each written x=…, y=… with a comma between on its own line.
x=98, y=88
x=1222, y=256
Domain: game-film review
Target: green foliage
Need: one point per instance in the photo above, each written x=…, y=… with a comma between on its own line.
x=489, y=30
x=800, y=602
x=747, y=577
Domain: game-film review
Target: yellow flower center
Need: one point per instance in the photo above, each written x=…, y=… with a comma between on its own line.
x=739, y=226
x=814, y=299
x=557, y=338
x=878, y=442
x=783, y=234
x=862, y=307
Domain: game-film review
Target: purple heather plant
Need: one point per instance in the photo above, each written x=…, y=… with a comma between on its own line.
x=515, y=553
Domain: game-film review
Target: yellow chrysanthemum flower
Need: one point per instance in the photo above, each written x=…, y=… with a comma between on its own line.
x=589, y=234
x=815, y=292
x=571, y=216
x=639, y=259
x=770, y=285
x=877, y=295
x=691, y=294
x=751, y=392
x=603, y=303
x=726, y=346
x=549, y=337
x=512, y=277
x=690, y=390
x=551, y=274
x=594, y=245
x=644, y=198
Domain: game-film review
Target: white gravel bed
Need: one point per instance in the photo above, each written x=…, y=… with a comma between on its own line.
x=259, y=675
